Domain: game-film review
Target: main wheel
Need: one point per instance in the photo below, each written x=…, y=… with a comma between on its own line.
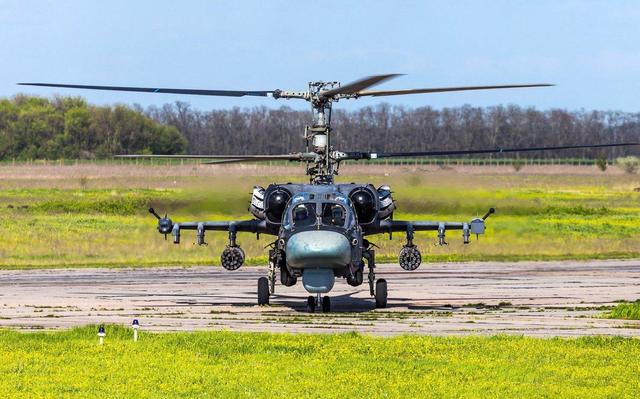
x=311, y=303
x=356, y=280
x=263, y=291
x=326, y=304
x=381, y=293
x=285, y=278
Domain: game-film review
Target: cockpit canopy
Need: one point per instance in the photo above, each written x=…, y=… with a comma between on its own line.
x=304, y=215
x=310, y=210
x=333, y=214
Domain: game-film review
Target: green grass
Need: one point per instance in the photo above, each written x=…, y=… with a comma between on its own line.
x=626, y=311
x=225, y=364
x=539, y=217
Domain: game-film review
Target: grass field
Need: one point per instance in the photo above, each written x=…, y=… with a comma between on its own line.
x=626, y=311
x=61, y=219
x=224, y=364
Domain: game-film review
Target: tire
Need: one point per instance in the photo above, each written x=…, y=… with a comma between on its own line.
x=287, y=279
x=311, y=303
x=356, y=280
x=263, y=291
x=326, y=304
x=381, y=293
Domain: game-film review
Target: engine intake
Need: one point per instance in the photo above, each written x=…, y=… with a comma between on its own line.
x=275, y=204
x=364, y=203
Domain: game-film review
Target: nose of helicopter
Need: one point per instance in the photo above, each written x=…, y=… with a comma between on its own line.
x=318, y=249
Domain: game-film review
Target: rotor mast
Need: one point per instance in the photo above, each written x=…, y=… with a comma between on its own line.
x=318, y=135
x=321, y=166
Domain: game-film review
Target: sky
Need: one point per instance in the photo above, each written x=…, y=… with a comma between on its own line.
x=590, y=49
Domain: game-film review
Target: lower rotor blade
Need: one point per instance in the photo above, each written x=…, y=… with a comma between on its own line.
x=236, y=157
x=229, y=158
x=246, y=160
x=378, y=93
x=200, y=92
x=374, y=155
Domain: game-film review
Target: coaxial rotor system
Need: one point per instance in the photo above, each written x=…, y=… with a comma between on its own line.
x=321, y=157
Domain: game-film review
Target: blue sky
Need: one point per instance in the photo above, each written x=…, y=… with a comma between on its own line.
x=591, y=49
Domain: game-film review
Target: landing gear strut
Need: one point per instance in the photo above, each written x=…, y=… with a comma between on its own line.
x=377, y=289
x=370, y=256
x=272, y=273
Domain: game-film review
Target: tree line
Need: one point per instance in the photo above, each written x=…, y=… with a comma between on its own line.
x=68, y=127
x=385, y=128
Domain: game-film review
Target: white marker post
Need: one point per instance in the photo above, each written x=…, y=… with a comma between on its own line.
x=101, y=334
x=135, y=326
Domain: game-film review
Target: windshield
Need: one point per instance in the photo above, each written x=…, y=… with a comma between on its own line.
x=333, y=214
x=304, y=215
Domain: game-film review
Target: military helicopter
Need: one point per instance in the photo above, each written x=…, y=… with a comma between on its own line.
x=320, y=227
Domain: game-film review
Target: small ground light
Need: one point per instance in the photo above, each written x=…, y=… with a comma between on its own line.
x=135, y=326
x=101, y=334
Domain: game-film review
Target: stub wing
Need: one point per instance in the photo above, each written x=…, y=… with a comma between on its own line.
x=167, y=226
x=409, y=257
x=248, y=226
x=233, y=256
x=475, y=226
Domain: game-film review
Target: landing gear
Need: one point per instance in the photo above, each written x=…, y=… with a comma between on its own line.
x=326, y=304
x=370, y=256
x=286, y=278
x=311, y=304
x=381, y=293
x=356, y=279
x=263, y=291
x=272, y=277
x=377, y=289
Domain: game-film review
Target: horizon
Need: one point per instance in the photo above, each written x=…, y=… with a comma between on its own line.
x=336, y=107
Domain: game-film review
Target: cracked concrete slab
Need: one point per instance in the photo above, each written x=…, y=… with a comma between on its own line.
x=532, y=298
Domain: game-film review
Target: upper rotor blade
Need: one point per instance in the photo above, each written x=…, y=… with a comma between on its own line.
x=376, y=93
x=200, y=92
x=355, y=87
x=373, y=155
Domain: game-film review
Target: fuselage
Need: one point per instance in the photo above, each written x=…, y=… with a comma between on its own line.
x=321, y=237
x=321, y=228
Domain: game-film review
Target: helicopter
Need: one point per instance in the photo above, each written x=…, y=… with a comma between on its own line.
x=321, y=227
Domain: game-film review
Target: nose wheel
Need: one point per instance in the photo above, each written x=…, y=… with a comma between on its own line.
x=311, y=304
x=325, y=302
